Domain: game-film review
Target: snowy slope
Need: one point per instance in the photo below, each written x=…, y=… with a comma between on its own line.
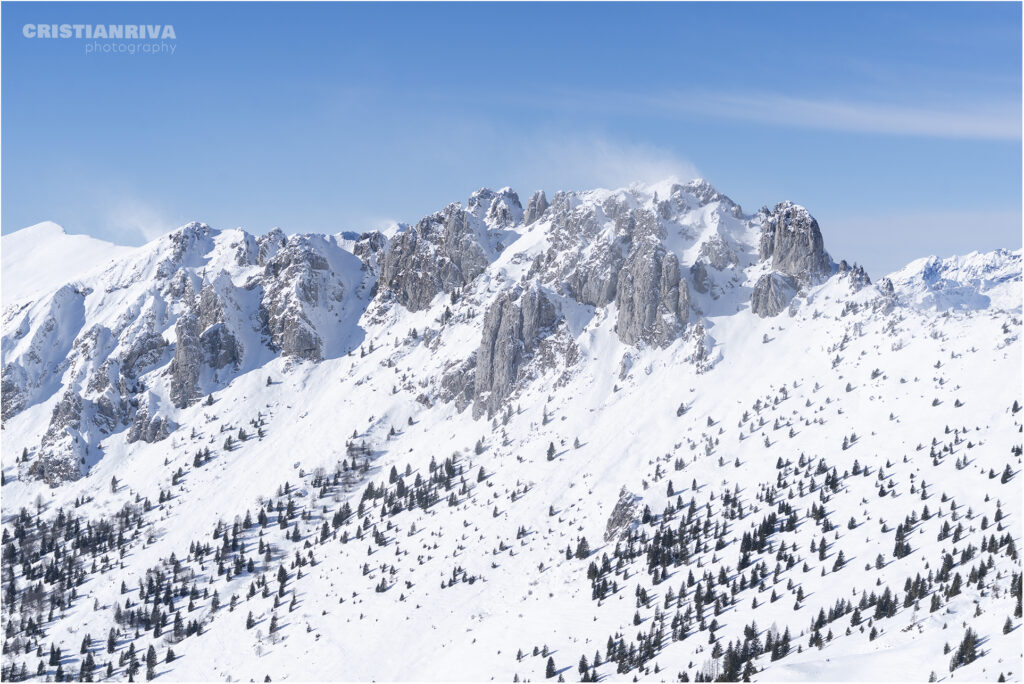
x=42, y=257
x=973, y=281
x=448, y=517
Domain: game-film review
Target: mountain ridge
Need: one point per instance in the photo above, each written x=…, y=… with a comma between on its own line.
x=425, y=424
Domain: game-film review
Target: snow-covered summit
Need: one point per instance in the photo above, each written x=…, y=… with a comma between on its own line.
x=977, y=280
x=42, y=257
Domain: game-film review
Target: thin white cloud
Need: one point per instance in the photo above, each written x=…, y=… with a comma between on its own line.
x=980, y=121
x=131, y=221
x=574, y=162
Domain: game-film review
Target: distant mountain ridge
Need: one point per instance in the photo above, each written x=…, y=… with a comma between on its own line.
x=199, y=306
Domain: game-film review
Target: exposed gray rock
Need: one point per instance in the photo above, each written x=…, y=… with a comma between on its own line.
x=220, y=346
x=246, y=250
x=186, y=243
x=653, y=302
x=146, y=350
x=716, y=252
x=885, y=286
x=857, y=276
x=887, y=299
x=47, y=342
x=269, y=245
x=459, y=384
x=705, y=194
x=505, y=210
x=772, y=294
x=187, y=362
x=12, y=400
x=107, y=415
x=62, y=448
x=701, y=277
x=147, y=426
x=535, y=208
x=511, y=329
x=441, y=253
x=297, y=281
x=500, y=209
x=791, y=241
x=790, y=237
x=370, y=248
x=579, y=259
x=480, y=202
x=595, y=280
x=624, y=516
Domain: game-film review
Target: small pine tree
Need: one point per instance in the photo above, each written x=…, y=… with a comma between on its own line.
x=551, y=451
x=549, y=671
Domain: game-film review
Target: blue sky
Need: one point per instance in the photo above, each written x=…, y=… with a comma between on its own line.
x=897, y=125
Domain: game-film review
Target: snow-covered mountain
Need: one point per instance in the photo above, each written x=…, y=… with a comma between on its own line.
x=43, y=257
x=615, y=434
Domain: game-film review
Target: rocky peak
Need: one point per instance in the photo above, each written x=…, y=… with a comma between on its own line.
x=441, y=253
x=297, y=281
x=269, y=245
x=535, y=208
x=705, y=193
x=791, y=239
x=791, y=244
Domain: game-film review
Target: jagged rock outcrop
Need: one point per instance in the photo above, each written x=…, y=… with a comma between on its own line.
x=505, y=210
x=187, y=362
x=624, y=516
x=442, y=253
x=62, y=449
x=500, y=209
x=790, y=237
x=772, y=294
x=791, y=241
x=146, y=350
x=220, y=346
x=857, y=276
x=705, y=194
x=246, y=250
x=369, y=247
x=653, y=302
x=269, y=245
x=186, y=244
x=296, y=282
x=701, y=277
x=511, y=331
x=147, y=426
x=886, y=288
x=716, y=252
x=12, y=400
x=580, y=259
x=459, y=383
x=535, y=208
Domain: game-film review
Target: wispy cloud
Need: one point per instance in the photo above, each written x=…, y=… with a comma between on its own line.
x=580, y=161
x=132, y=221
x=979, y=121
x=969, y=119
